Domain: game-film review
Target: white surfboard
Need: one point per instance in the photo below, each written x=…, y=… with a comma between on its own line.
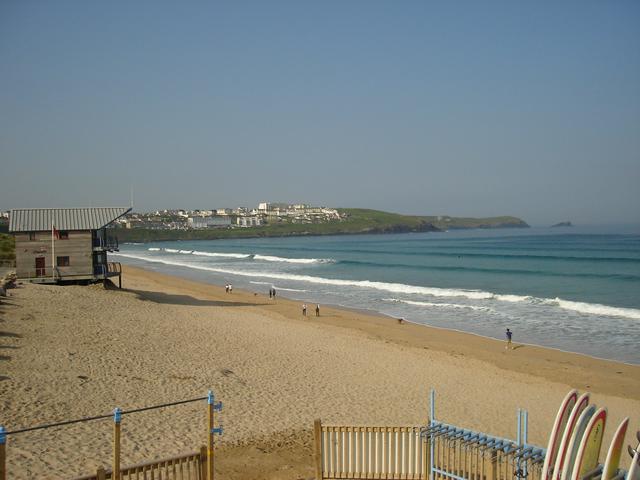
x=612, y=461
x=574, y=443
x=590, y=445
x=559, y=425
x=634, y=468
x=581, y=404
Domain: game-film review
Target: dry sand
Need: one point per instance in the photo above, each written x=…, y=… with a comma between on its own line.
x=69, y=352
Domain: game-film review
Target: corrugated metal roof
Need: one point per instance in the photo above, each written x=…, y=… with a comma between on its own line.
x=41, y=219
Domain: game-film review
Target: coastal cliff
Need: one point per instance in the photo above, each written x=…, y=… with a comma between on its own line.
x=352, y=221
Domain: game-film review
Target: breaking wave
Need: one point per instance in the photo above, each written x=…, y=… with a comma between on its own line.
x=399, y=288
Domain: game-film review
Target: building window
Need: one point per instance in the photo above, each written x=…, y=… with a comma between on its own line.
x=63, y=235
x=62, y=261
x=32, y=236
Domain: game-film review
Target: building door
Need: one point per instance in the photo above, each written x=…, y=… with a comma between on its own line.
x=40, y=267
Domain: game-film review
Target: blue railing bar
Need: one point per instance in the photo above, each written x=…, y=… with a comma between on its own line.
x=471, y=437
x=592, y=473
x=523, y=451
x=446, y=431
x=430, y=430
x=446, y=474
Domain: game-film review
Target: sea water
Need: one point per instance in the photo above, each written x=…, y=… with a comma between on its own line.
x=567, y=288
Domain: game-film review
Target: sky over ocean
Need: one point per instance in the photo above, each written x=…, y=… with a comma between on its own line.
x=458, y=108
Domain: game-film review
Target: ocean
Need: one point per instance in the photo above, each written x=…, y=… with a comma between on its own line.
x=567, y=288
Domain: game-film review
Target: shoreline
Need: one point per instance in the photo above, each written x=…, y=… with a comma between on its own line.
x=626, y=356
x=375, y=313
x=487, y=349
x=74, y=351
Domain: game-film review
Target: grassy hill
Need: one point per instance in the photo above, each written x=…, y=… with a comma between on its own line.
x=354, y=221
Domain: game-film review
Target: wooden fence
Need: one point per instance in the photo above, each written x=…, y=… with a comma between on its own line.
x=439, y=452
x=192, y=466
x=369, y=452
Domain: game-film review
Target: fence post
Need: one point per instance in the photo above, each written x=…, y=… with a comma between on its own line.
x=317, y=450
x=210, y=401
x=426, y=454
x=203, y=462
x=101, y=474
x=3, y=454
x=117, y=418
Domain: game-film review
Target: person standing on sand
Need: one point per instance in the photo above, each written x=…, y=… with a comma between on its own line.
x=508, y=345
x=270, y=293
x=274, y=293
x=318, y=310
x=304, y=309
x=230, y=288
x=226, y=288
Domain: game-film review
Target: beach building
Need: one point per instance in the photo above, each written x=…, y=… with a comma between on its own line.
x=209, y=222
x=65, y=244
x=249, y=221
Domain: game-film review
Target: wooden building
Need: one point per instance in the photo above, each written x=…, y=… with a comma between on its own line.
x=55, y=245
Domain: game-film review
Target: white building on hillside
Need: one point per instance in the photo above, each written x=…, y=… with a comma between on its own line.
x=209, y=222
x=249, y=221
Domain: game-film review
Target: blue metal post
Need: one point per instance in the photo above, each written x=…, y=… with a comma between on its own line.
x=525, y=434
x=117, y=418
x=3, y=454
x=432, y=421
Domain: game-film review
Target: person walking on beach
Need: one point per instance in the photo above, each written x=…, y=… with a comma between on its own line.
x=270, y=293
x=318, y=310
x=230, y=288
x=226, y=288
x=508, y=345
x=304, y=309
x=274, y=293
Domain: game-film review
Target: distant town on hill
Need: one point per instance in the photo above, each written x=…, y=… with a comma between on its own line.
x=281, y=219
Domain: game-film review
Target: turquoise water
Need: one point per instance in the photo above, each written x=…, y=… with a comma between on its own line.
x=572, y=289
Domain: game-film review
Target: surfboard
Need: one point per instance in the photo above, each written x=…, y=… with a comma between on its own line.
x=634, y=468
x=590, y=444
x=581, y=404
x=612, y=461
x=559, y=426
x=576, y=438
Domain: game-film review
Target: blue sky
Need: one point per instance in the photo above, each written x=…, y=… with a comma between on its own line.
x=459, y=108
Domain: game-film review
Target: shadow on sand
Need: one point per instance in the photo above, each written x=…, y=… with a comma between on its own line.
x=10, y=334
x=170, y=299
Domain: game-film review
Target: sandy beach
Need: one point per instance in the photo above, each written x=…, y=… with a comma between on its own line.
x=73, y=351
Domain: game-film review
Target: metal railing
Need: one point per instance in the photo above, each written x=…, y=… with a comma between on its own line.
x=191, y=464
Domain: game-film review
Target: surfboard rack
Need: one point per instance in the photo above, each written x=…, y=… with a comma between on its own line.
x=458, y=453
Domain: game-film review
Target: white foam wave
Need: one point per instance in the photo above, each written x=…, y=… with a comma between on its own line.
x=389, y=287
x=290, y=289
x=439, y=305
x=224, y=255
x=589, y=308
x=153, y=249
x=188, y=252
x=595, y=308
x=514, y=298
x=270, y=258
x=171, y=250
x=261, y=283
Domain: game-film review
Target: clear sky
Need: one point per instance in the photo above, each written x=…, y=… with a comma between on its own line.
x=470, y=108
